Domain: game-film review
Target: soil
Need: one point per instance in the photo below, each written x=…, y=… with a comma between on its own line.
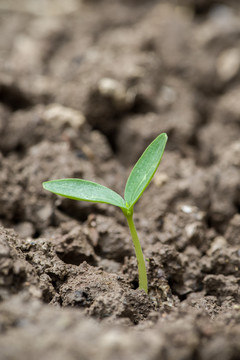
x=85, y=86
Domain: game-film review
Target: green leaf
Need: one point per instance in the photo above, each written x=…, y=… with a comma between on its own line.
x=144, y=169
x=78, y=189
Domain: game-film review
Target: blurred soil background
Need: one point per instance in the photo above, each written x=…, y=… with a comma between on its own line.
x=85, y=86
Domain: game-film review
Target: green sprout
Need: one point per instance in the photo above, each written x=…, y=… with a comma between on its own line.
x=138, y=180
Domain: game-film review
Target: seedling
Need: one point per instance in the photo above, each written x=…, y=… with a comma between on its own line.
x=138, y=180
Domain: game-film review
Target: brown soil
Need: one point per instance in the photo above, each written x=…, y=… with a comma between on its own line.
x=84, y=88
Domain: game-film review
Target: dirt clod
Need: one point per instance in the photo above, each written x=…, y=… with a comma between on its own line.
x=85, y=86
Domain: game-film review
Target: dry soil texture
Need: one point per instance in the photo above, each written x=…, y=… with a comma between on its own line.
x=85, y=86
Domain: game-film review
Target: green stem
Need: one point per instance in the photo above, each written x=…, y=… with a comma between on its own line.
x=143, y=283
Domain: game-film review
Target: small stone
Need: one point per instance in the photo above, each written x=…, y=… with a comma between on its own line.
x=187, y=209
x=114, y=90
x=228, y=64
x=191, y=230
x=60, y=116
x=218, y=243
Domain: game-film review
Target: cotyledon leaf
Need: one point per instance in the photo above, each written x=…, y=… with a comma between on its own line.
x=144, y=169
x=79, y=189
